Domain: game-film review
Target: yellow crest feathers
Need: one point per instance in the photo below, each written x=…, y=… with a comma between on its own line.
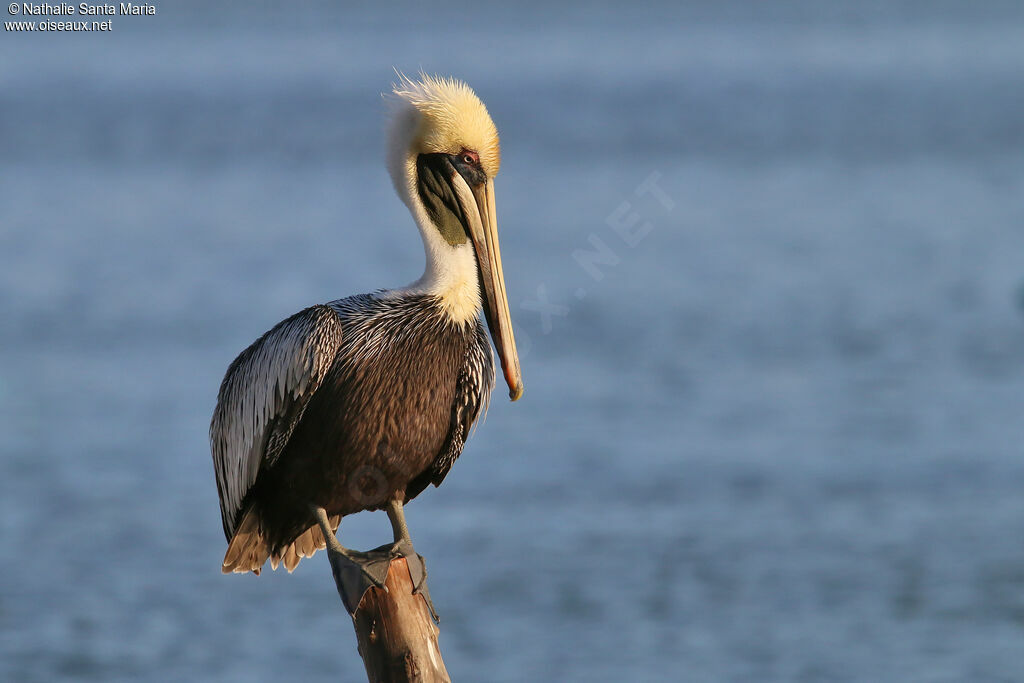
x=452, y=118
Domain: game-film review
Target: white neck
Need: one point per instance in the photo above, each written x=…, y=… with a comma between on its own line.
x=451, y=272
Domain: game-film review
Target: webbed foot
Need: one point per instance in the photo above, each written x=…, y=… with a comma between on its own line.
x=356, y=572
x=418, y=572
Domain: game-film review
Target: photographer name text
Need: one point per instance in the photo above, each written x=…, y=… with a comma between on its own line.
x=122, y=9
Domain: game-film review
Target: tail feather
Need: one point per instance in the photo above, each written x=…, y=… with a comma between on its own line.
x=304, y=544
x=291, y=560
x=248, y=550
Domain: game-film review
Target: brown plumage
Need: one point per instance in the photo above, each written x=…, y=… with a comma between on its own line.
x=389, y=416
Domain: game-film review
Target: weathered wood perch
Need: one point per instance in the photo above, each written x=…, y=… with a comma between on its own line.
x=396, y=630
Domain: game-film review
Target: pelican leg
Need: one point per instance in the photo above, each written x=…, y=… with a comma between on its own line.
x=354, y=572
x=396, y=513
x=403, y=548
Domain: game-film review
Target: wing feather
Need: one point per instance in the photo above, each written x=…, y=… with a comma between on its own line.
x=262, y=398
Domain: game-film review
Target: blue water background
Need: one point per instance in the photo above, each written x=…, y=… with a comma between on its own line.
x=778, y=439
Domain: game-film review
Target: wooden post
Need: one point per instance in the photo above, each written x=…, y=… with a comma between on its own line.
x=396, y=631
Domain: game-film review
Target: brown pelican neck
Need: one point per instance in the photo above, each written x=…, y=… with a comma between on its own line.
x=450, y=272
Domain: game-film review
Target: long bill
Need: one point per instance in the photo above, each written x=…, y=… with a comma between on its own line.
x=477, y=205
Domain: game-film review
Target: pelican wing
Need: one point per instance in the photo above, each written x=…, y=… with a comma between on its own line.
x=262, y=398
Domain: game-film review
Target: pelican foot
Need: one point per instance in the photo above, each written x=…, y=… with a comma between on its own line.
x=418, y=572
x=356, y=572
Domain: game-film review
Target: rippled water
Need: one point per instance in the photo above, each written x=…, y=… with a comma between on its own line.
x=778, y=439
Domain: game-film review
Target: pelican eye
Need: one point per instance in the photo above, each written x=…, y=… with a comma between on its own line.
x=469, y=157
x=467, y=163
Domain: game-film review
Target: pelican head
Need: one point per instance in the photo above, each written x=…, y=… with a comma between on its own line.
x=443, y=155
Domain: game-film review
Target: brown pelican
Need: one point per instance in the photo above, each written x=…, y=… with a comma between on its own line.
x=360, y=403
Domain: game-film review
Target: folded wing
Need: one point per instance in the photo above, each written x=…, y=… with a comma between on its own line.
x=262, y=399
